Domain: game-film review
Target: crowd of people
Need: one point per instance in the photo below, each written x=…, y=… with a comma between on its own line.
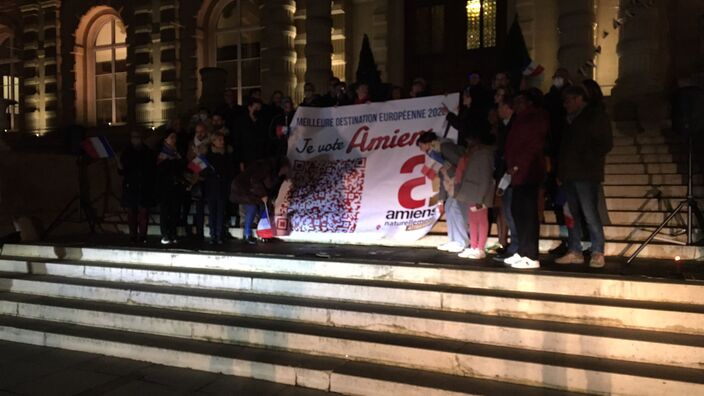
x=518, y=153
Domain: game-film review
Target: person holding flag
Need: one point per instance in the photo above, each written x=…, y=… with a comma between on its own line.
x=442, y=158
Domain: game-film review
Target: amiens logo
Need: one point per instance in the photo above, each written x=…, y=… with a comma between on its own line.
x=405, y=194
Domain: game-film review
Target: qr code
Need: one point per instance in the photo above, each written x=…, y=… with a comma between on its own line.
x=325, y=196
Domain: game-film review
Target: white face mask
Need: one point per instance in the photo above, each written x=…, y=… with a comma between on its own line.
x=558, y=82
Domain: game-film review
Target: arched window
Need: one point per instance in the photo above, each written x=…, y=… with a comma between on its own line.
x=231, y=40
x=110, y=52
x=481, y=24
x=101, y=68
x=9, y=78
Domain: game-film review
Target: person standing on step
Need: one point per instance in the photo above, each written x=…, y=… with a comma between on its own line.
x=526, y=164
x=170, y=187
x=218, y=176
x=586, y=142
x=137, y=166
x=443, y=156
x=198, y=146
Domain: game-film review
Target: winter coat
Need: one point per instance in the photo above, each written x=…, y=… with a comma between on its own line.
x=278, y=145
x=586, y=142
x=253, y=140
x=139, y=174
x=471, y=123
x=170, y=181
x=524, y=147
x=219, y=175
x=476, y=184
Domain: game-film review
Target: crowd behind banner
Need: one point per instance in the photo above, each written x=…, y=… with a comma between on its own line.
x=519, y=152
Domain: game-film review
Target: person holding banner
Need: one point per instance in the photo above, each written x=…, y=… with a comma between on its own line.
x=279, y=128
x=138, y=169
x=218, y=176
x=442, y=157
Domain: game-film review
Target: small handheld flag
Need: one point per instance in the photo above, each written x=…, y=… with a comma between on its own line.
x=198, y=164
x=97, y=147
x=264, y=230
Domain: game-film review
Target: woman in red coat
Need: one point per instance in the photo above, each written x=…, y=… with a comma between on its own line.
x=525, y=162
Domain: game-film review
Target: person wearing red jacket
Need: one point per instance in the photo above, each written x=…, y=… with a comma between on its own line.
x=525, y=161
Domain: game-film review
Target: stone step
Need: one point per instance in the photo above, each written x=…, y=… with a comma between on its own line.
x=650, y=149
x=631, y=218
x=645, y=158
x=266, y=329
x=383, y=346
x=348, y=377
x=649, y=180
x=648, y=139
x=665, y=204
x=94, y=282
x=650, y=169
x=77, y=260
x=306, y=371
x=612, y=233
x=626, y=191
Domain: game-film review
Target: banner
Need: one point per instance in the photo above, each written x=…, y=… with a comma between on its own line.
x=356, y=171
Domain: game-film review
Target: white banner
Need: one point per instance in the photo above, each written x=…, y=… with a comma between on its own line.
x=356, y=171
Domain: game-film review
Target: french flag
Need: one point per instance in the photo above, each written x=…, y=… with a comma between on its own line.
x=533, y=69
x=98, y=147
x=264, y=230
x=198, y=164
x=432, y=165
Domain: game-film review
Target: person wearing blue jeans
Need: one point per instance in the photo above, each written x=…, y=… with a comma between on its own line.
x=584, y=146
x=250, y=212
x=583, y=199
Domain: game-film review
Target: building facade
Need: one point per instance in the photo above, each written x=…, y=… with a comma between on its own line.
x=123, y=62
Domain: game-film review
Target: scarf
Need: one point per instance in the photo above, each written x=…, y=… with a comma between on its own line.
x=167, y=153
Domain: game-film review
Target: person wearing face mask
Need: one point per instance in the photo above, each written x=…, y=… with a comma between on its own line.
x=556, y=110
x=137, y=166
x=218, y=177
x=279, y=129
x=252, y=143
x=310, y=98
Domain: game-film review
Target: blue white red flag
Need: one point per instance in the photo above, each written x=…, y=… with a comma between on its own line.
x=198, y=164
x=264, y=230
x=432, y=165
x=97, y=147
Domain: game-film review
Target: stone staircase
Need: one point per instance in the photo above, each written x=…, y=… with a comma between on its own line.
x=645, y=179
x=360, y=327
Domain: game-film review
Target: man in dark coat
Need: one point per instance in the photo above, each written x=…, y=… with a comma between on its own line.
x=138, y=168
x=170, y=187
x=526, y=163
x=252, y=138
x=586, y=142
x=218, y=177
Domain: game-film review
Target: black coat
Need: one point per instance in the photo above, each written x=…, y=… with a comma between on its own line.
x=139, y=174
x=219, y=175
x=170, y=181
x=470, y=123
x=252, y=140
x=278, y=145
x=585, y=144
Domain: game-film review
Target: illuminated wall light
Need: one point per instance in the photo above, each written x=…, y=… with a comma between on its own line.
x=677, y=258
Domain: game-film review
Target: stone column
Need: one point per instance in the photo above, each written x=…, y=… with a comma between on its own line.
x=575, y=23
x=642, y=51
x=278, y=52
x=319, y=44
x=40, y=43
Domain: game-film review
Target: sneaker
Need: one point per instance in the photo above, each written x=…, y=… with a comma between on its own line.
x=455, y=247
x=513, y=259
x=526, y=263
x=571, y=258
x=444, y=246
x=467, y=253
x=250, y=240
x=165, y=241
x=476, y=254
x=597, y=260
